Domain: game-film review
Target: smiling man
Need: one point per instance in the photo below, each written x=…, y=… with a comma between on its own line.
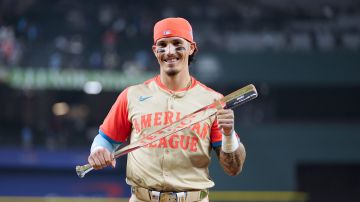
x=174, y=168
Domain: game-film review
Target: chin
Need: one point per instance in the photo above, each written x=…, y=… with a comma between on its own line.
x=172, y=72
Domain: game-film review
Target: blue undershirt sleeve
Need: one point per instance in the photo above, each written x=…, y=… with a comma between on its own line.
x=100, y=141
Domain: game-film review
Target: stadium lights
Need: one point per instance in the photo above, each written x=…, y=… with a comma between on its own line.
x=60, y=108
x=92, y=87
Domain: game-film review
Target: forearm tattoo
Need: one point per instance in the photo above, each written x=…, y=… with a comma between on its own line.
x=231, y=162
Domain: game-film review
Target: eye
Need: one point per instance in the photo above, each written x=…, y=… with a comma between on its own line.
x=177, y=43
x=161, y=44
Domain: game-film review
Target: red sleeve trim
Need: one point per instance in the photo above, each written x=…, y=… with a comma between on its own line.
x=116, y=124
x=215, y=135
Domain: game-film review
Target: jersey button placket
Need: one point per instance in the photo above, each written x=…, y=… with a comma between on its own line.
x=171, y=100
x=165, y=166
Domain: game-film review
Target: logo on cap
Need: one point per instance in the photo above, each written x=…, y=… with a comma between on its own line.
x=167, y=32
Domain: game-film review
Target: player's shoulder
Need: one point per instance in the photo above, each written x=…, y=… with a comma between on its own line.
x=202, y=88
x=140, y=88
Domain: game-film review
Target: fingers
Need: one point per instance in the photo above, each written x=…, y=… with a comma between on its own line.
x=107, y=159
x=101, y=158
x=113, y=163
x=110, y=160
x=225, y=118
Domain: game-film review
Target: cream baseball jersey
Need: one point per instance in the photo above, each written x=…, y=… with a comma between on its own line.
x=178, y=162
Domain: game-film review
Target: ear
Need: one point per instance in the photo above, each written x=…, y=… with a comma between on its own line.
x=154, y=49
x=192, y=48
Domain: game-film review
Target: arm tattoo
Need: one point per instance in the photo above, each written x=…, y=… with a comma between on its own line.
x=232, y=162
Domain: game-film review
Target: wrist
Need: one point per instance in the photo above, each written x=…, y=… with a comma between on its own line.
x=100, y=142
x=229, y=142
x=228, y=133
x=95, y=148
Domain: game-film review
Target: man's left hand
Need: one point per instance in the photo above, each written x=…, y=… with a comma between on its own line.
x=225, y=119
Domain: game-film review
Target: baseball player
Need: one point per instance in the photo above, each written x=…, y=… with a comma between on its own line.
x=174, y=168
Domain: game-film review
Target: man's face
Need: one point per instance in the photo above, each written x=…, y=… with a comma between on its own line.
x=173, y=54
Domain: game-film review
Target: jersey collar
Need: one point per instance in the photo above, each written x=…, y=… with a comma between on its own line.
x=163, y=87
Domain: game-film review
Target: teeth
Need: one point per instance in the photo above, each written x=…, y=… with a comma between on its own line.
x=171, y=60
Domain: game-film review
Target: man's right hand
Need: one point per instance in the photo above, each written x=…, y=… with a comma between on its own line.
x=100, y=158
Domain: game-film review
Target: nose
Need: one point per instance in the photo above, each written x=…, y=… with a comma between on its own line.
x=170, y=49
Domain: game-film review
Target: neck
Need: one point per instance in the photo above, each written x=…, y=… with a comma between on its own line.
x=176, y=82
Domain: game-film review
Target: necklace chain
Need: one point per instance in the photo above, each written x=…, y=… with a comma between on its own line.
x=182, y=93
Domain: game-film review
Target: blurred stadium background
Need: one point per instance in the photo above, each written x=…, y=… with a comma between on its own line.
x=63, y=63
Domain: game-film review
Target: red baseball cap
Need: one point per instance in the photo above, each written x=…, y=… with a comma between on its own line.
x=173, y=27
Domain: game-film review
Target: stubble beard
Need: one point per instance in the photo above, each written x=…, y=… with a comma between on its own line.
x=172, y=72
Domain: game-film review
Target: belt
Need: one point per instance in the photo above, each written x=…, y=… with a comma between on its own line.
x=150, y=195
